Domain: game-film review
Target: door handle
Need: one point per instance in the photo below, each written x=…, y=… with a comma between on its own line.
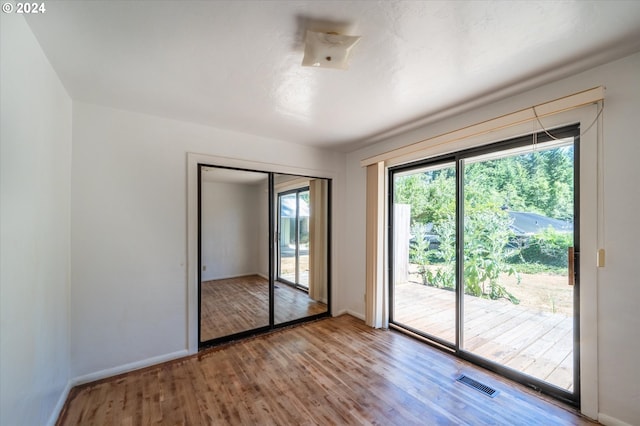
x=572, y=265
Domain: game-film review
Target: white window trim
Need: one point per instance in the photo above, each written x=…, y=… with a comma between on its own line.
x=466, y=137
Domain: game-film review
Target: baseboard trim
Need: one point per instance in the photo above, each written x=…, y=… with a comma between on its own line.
x=610, y=421
x=109, y=372
x=349, y=312
x=60, y=404
x=230, y=277
x=356, y=314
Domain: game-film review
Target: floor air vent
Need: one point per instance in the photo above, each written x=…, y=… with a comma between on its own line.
x=489, y=391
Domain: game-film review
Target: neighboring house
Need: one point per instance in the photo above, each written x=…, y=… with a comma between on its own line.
x=523, y=226
x=527, y=224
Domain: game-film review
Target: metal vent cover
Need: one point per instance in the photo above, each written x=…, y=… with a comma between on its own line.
x=487, y=390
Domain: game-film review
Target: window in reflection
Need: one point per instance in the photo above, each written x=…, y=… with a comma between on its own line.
x=293, y=237
x=302, y=235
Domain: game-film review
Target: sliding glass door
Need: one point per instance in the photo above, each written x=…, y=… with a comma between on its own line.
x=293, y=237
x=484, y=249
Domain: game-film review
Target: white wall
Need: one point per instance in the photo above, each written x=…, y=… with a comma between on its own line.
x=34, y=222
x=234, y=218
x=129, y=229
x=619, y=292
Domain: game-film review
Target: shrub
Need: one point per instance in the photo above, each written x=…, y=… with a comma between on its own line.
x=547, y=248
x=486, y=235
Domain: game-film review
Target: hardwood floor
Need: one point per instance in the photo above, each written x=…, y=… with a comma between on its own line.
x=536, y=343
x=291, y=303
x=331, y=371
x=238, y=304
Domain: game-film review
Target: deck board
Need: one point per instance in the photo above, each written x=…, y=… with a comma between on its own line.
x=534, y=342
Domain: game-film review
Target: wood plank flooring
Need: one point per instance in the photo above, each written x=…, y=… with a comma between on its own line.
x=233, y=305
x=331, y=371
x=536, y=343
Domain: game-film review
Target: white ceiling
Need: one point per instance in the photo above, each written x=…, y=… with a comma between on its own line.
x=236, y=64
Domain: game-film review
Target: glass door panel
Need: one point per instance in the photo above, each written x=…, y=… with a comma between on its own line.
x=303, y=239
x=518, y=227
x=424, y=251
x=293, y=247
x=287, y=237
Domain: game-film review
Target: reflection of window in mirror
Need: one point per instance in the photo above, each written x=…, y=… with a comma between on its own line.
x=301, y=205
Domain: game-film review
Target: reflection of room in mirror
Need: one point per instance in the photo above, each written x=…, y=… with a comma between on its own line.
x=292, y=303
x=234, y=305
x=301, y=226
x=234, y=234
x=302, y=233
x=234, y=250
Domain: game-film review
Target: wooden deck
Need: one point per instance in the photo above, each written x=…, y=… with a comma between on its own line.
x=536, y=343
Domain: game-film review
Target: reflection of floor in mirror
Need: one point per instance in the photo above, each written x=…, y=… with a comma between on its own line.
x=303, y=281
x=238, y=304
x=288, y=269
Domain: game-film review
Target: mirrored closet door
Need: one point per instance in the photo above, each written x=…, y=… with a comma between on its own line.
x=302, y=225
x=264, y=241
x=234, y=258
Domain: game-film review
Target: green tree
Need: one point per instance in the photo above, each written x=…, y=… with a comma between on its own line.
x=431, y=195
x=534, y=181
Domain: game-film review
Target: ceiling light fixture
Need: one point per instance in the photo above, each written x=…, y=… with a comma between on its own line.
x=328, y=50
